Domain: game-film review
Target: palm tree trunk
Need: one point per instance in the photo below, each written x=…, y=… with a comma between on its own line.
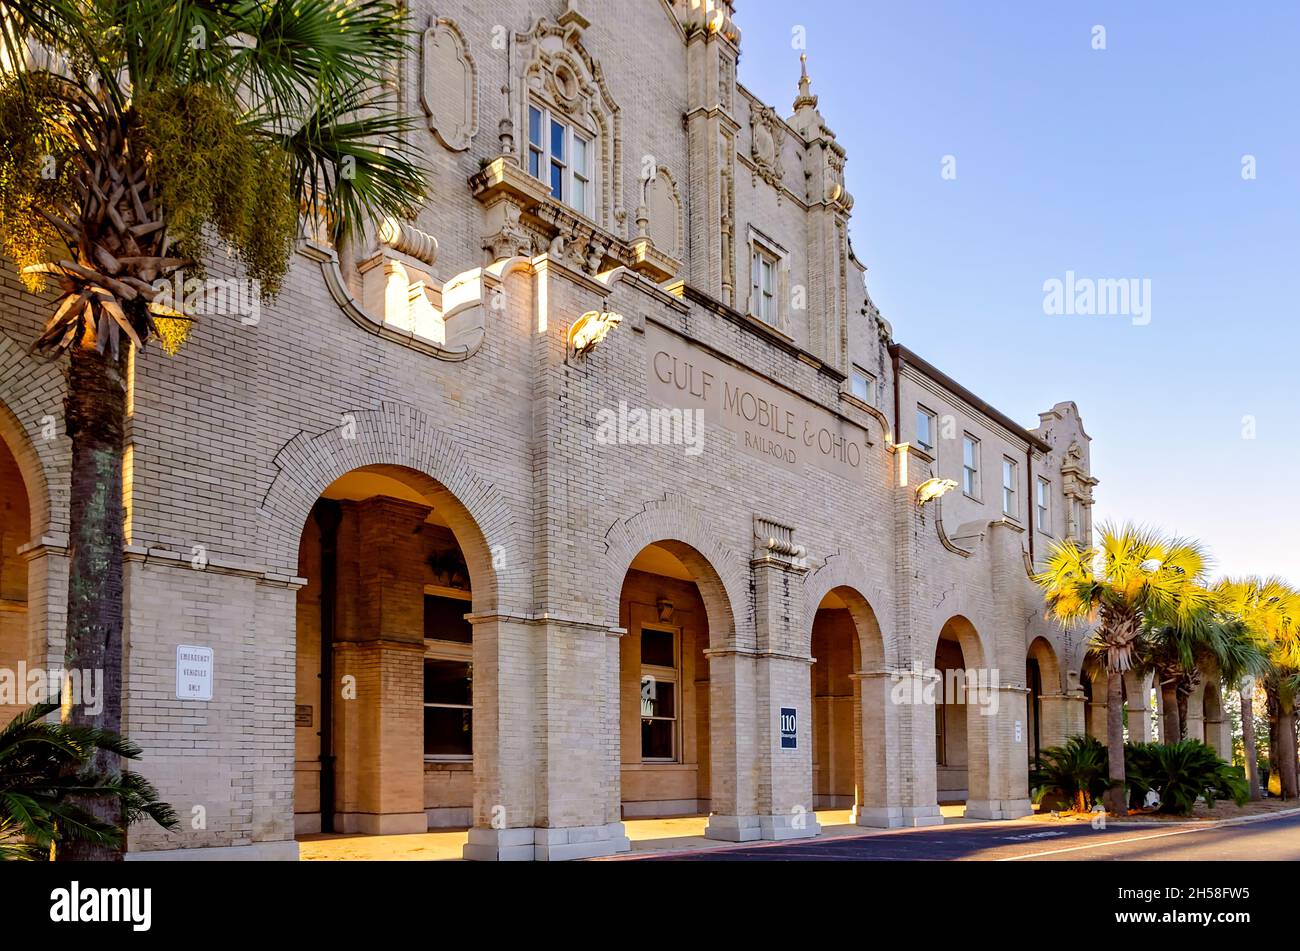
x=1286, y=747
x=1249, y=750
x=1184, y=691
x=1116, y=797
x=95, y=408
x=1170, y=720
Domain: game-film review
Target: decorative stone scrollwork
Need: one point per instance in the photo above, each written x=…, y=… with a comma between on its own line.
x=765, y=145
x=448, y=85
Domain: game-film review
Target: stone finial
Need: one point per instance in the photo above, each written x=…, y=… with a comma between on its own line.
x=805, y=97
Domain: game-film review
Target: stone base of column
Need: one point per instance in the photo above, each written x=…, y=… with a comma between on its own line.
x=917, y=816
x=770, y=828
x=387, y=823
x=998, y=808
x=545, y=845
x=879, y=817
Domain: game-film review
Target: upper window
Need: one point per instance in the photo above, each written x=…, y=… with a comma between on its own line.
x=970, y=465
x=925, y=428
x=560, y=156
x=1042, y=511
x=658, y=695
x=864, y=386
x=1010, y=506
x=762, y=294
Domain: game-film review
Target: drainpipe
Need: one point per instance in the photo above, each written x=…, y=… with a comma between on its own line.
x=1033, y=502
x=328, y=515
x=894, y=353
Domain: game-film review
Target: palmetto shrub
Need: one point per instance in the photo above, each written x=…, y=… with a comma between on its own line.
x=46, y=777
x=1077, y=771
x=1180, y=773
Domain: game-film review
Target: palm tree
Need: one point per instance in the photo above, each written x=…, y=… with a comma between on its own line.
x=1134, y=576
x=44, y=782
x=132, y=133
x=1269, y=610
x=1180, y=653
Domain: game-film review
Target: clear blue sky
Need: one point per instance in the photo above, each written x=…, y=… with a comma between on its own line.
x=1116, y=163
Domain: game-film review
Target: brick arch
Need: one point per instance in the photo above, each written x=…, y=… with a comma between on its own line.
x=956, y=604
x=1049, y=666
x=720, y=573
x=868, y=605
x=399, y=435
x=31, y=389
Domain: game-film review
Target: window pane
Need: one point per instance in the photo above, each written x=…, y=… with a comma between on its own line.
x=447, y=681
x=1008, y=475
x=658, y=698
x=580, y=155
x=557, y=182
x=448, y=732
x=657, y=739
x=923, y=434
x=968, y=452
x=657, y=648
x=862, y=386
x=579, y=197
x=444, y=619
x=557, y=140
x=535, y=126
x=534, y=163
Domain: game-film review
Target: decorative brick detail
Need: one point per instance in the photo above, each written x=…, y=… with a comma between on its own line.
x=398, y=435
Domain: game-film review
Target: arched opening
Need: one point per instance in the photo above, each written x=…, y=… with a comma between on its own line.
x=961, y=728
x=1045, y=723
x=385, y=666
x=1094, y=680
x=669, y=608
x=15, y=532
x=848, y=732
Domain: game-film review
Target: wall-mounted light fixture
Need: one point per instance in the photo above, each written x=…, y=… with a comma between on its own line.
x=590, y=329
x=931, y=489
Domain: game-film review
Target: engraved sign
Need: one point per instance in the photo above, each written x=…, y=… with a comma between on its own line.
x=302, y=714
x=193, y=672
x=771, y=424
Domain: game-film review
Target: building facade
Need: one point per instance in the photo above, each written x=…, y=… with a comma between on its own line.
x=591, y=493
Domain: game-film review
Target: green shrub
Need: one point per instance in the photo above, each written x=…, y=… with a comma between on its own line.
x=1077, y=770
x=1181, y=773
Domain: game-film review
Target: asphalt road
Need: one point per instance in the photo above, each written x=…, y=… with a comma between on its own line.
x=1269, y=839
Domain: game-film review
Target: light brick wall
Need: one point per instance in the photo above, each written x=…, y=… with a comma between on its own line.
x=234, y=439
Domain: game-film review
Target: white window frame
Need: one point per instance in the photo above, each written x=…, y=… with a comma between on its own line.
x=763, y=300
x=540, y=152
x=1043, y=505
x=661, y=674
x=455, y=652
x=1010, y=495
x=970, y=471
x=933, y=427
x=869, y=379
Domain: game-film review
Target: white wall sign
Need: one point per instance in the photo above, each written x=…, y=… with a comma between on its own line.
x=193, y=672
x=1017, y=731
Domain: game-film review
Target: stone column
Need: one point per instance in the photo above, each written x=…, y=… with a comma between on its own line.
x=783, y=689
x=1196, y=714
x=997, y=730
x=876, y=762
x=1062, y=718
x=379, y=669
x=1138, y=690
x=732, y=745
x=918, y=795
